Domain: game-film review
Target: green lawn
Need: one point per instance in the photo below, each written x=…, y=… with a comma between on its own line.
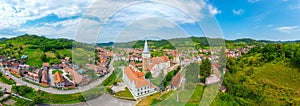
x=110, y=80
x=119, y=74
x=124, y=94
x=148, y=100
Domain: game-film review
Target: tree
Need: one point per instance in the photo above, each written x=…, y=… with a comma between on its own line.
x=44, y=57
x=109, y=90
x=148, y=75
x=57, y=55
x=37, y=99
x=205, y=68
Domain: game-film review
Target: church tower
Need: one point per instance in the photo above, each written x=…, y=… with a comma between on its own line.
x=146, y=57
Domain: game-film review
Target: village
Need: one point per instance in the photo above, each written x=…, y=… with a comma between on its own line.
x=140, y=74
x=63, y=76
x=143, y=72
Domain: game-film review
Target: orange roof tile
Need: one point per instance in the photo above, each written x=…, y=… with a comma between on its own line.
x=137, y=77
x=58, y=77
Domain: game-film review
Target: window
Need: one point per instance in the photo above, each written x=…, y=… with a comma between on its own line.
x=145, y=91
x=138, y=93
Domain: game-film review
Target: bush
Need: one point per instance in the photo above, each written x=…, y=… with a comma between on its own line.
x=148, y=75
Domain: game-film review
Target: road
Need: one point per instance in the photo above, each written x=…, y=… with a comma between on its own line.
x=8, y=89
x=56, y=91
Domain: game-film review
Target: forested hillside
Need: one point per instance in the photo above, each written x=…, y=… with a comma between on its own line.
x=190, y=42
x=268, y=76
x=38, y=49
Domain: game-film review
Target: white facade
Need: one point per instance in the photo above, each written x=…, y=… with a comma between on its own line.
x=138, y=91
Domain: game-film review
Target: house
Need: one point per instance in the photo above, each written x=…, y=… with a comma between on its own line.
x=59, y=80
x=158, y=65
x=46, y=65
x=77, y=78
x=101, y=69
x=68, y=83
x=67, y=59
x=176, y=81
x=32, y=76
x=15, y=71
x=44, y=78
x=136, y=82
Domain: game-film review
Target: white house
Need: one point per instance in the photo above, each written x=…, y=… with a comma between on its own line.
x=136, y=83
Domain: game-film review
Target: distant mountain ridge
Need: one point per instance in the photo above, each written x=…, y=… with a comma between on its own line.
x=189, y=42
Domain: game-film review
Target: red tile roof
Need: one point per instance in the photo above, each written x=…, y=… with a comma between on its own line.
x=58, y=77
x=137, y=77
x=176, y=80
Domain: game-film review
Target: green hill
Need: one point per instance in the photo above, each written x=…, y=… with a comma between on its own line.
x=265, y=76
x=187, y=43
x=39, y=49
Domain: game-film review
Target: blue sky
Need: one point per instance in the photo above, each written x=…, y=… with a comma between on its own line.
x=81, y=19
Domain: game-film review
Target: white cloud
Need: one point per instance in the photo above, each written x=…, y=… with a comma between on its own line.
x=17, y=12
x=287, y=29
x=62, y=29
x=213, y=10
x=103, y=9
x=238, y=12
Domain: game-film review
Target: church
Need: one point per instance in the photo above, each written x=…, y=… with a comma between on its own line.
x=157, y=65
x=135, y=79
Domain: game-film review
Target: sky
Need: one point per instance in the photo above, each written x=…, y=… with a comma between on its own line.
x=121, y=21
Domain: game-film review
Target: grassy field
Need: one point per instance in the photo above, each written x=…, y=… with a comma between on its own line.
x=186, y=97
x=34, y=57
x=281, y=81
x=275, y=83
x=148, y=100
x=50, y=54
x=65, y=52
x=119, y=74
x=48, y=97
x=6, y=81
x=81, y=56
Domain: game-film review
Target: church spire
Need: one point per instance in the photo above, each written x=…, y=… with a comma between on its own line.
x=146, y=50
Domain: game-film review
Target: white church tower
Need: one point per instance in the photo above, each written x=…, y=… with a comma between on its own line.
x=146, y=57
